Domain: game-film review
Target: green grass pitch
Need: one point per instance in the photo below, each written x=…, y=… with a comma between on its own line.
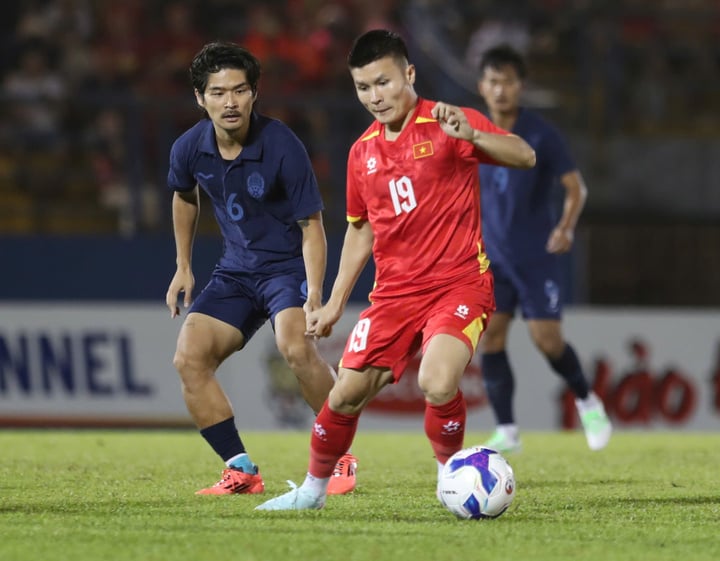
x=117, y=495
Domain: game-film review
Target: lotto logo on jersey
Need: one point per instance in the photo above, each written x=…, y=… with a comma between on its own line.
x=423, y=150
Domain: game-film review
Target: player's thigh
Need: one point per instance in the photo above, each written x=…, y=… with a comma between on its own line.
x=223, y=317
x=289, y=325
x=290, y=336
x=283, y=295
x=204, y=343
x=442, y=365
x=456, y=318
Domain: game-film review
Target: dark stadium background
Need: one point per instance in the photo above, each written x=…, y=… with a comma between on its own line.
x=93, y=94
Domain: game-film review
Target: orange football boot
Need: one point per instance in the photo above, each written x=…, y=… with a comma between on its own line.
x=342, y=480
x=235, y=482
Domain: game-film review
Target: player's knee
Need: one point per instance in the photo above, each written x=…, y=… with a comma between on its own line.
x=492, y=341
x=549, y=344
x=491, y=344
x=439, y=398
x=181, y=361
x=193, y=370
x=298, y=356
x=438, y=391
x=347, y=400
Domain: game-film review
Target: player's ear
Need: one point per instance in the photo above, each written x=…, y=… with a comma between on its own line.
x=199, y=99
x=410, y=74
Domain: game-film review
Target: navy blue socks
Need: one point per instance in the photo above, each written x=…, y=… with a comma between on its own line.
x=500, y=385
x=569, y=368
x=223, y=437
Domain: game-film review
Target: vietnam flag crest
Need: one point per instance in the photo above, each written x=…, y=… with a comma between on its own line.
x=423, y=150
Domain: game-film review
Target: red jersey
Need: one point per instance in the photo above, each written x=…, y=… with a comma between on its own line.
x=421, y=196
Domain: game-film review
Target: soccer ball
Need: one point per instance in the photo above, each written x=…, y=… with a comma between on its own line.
x=476, y=483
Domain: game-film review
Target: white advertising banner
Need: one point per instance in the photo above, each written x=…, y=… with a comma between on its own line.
x=110, y=364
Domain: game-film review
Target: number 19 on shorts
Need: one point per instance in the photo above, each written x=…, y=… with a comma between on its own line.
x=359, y=335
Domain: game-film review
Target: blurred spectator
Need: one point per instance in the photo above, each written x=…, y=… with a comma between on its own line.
x=35, y=94
x=292, y=49
x=75, y=61
x=649, y=96
x=167, y=50
x=105, y=142
x=105, y=145
x=66, y=66
x=382, y=14
x=119, y=41
x=504, y=23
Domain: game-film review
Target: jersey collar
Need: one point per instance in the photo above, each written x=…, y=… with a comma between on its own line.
x=251, y=151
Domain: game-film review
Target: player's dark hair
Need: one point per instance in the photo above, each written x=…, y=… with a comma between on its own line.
x=218, y=55
x=377, y=44
x=503, y=55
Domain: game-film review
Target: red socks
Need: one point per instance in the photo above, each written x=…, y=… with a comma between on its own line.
x=445, y=426
x=332, y=435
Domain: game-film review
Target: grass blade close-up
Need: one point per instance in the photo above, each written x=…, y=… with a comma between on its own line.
x=97, y=495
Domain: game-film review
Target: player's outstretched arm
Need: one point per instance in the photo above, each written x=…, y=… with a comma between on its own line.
x=356, y=251
x=185, y=211
x=506, y=149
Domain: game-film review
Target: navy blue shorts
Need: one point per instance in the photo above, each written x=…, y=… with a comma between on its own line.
x=534, y=286
x=248, y=301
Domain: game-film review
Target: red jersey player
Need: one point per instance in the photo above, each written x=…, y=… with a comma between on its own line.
x=413, y=202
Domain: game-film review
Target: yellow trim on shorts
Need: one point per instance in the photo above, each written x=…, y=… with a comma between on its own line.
x=474, y=330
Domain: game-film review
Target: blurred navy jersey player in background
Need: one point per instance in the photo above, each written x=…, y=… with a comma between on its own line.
x=266, y=200
x=524, y=237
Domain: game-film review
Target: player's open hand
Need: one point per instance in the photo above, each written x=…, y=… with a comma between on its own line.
x=182, y=281
x=560, y=240
x=452, y=121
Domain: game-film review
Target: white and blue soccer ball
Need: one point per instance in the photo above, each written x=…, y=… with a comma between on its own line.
x=476, y=483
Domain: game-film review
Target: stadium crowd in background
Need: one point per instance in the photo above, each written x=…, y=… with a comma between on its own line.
x=94, y=92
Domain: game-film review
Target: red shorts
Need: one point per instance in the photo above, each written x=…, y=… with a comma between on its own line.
x=390, y=332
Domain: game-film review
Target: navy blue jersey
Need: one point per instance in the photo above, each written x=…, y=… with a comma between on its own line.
x=520, y=207
x=257, y=198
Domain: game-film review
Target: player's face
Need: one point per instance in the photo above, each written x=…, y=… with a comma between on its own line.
x=228, y=100
x=501, y=88
x=385, y=88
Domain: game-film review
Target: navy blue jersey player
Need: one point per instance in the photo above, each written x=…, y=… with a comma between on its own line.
x=267, y=203
x=524, y=235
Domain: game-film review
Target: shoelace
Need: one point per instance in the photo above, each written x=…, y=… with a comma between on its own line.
x=339, y=468
x=227, y=477
x=224, y=480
